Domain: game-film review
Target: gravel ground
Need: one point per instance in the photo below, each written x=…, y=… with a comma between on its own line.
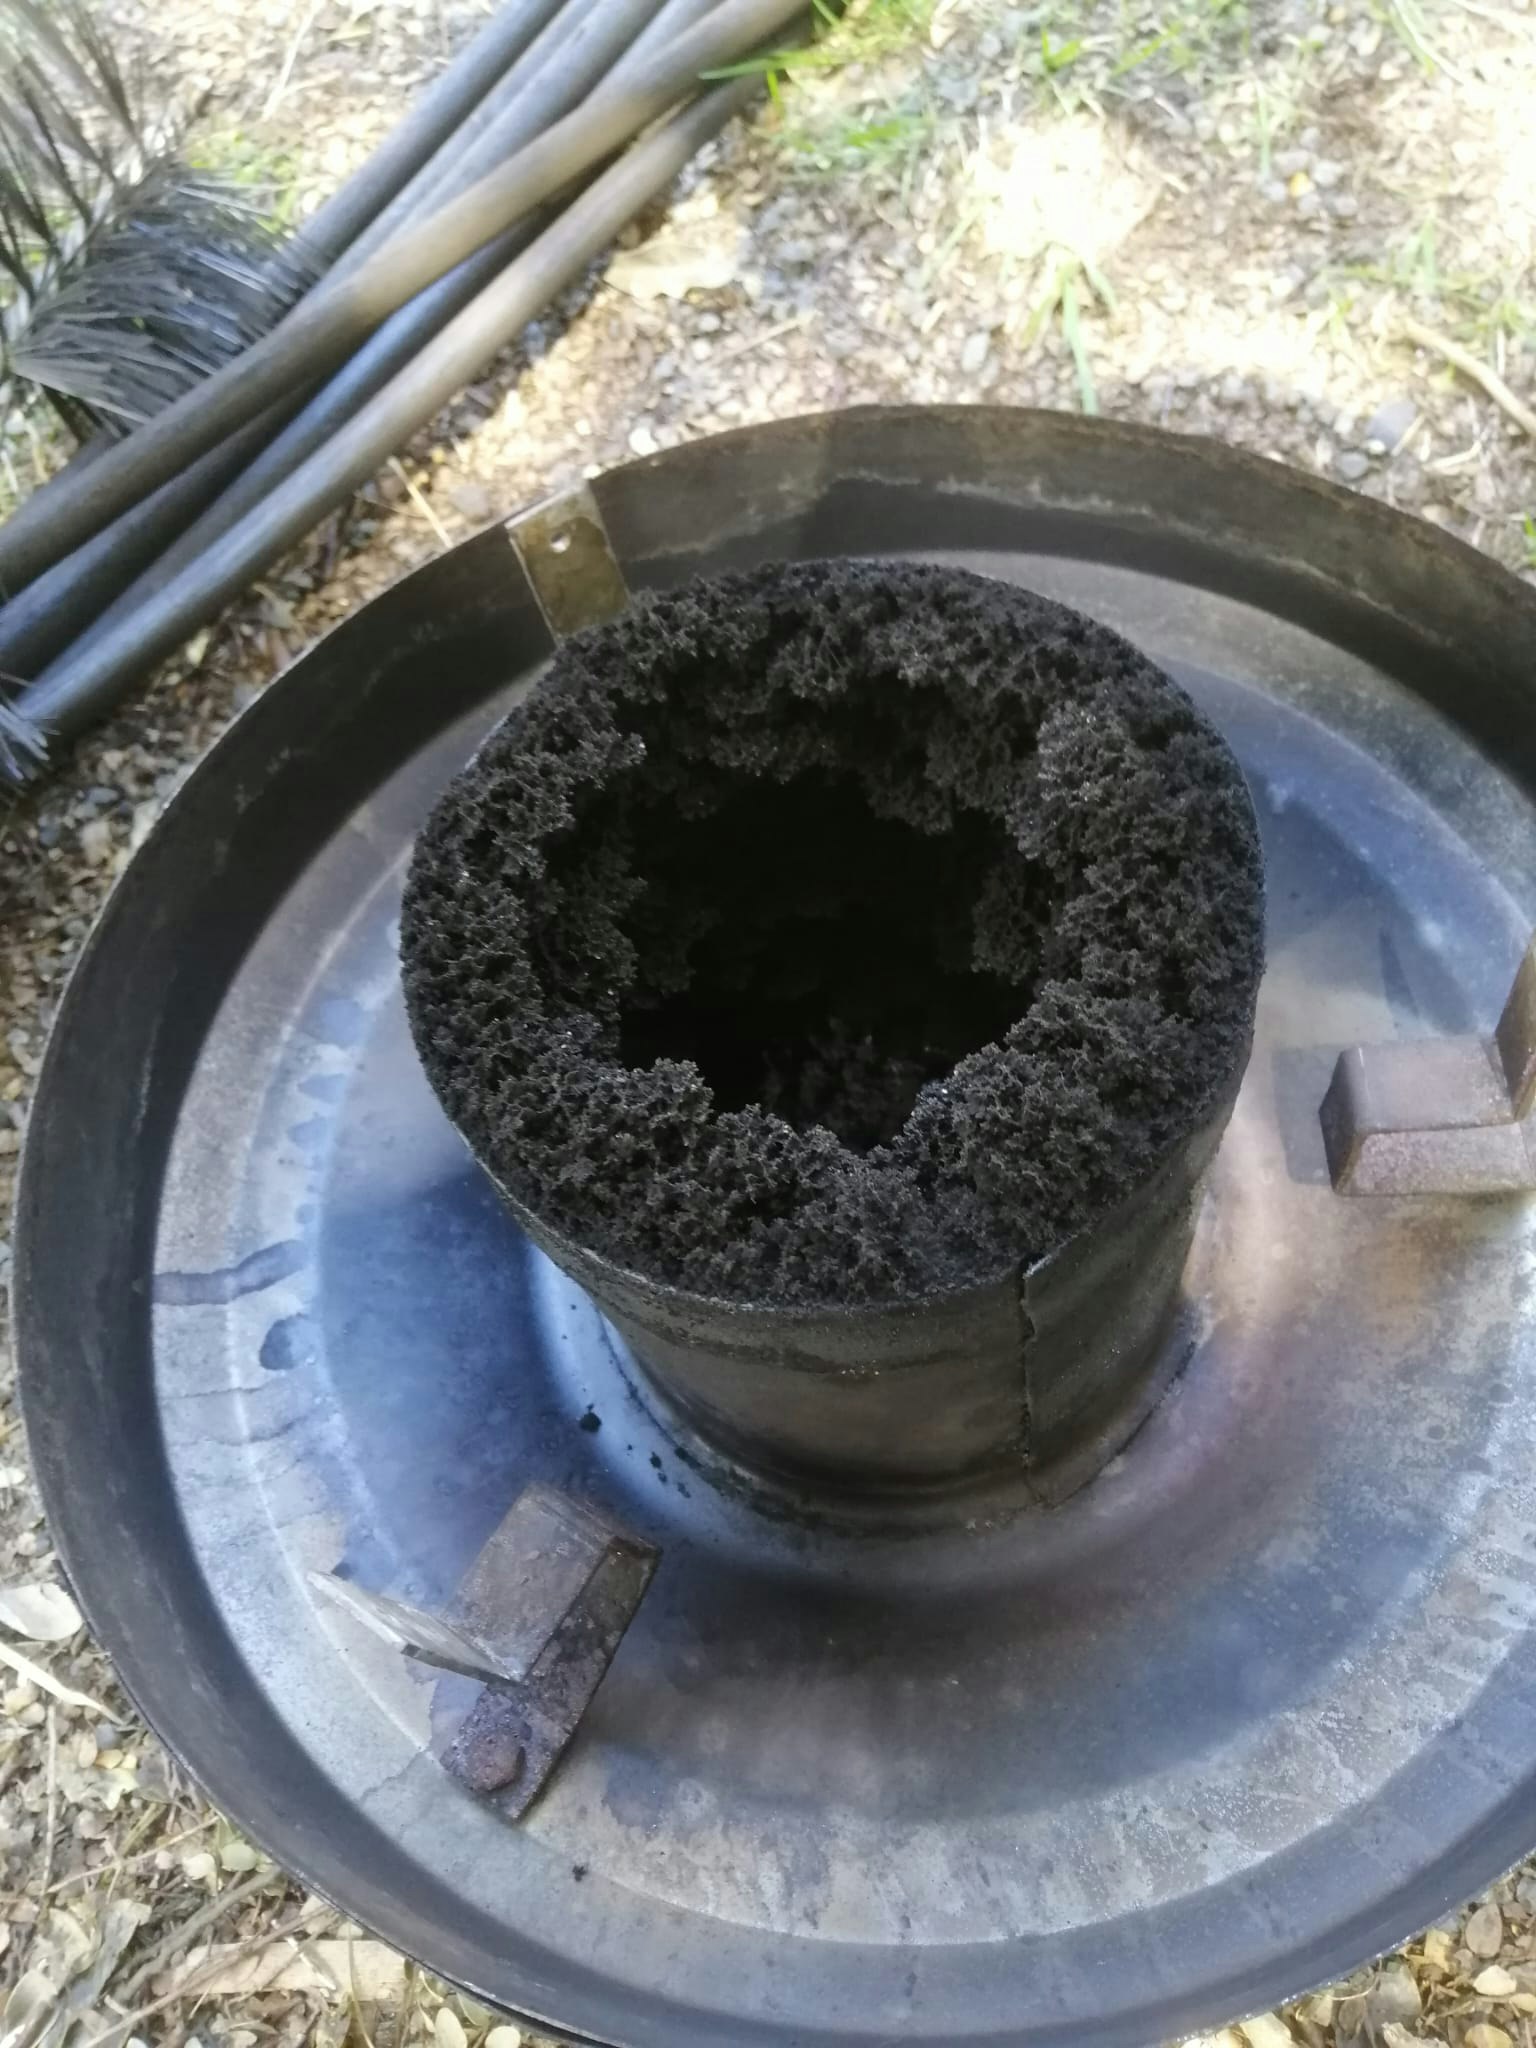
x=1279, y=224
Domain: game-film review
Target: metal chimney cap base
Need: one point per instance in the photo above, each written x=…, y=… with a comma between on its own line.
x=1251, y=1706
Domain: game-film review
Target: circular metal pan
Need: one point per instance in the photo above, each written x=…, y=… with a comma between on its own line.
x=1258, y=1701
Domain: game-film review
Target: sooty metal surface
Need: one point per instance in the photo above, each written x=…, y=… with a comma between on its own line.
x=1258, y=1701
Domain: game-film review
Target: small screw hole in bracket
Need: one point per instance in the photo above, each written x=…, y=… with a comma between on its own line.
x=565, y=555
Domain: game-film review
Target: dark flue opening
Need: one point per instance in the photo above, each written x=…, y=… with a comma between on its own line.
x=832, y=975
x=836, y=932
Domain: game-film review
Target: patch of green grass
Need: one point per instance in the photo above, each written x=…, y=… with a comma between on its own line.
x=828, y=135
x=1181, y=36
x=862, y=33
x=1062, y=61
x=1500, y=317
x=1481, y=308
x=1056, y=56
x=1072, y=284
x=1413, y=266
x=889, y=143
x=269, y=176
x=1528, y=534
x=1224, y=57
x=1407, y=21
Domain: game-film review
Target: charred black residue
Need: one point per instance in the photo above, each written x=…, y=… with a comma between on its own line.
x=836, y=932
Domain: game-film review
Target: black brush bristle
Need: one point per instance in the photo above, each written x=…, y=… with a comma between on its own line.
x=23, y=745
x=182, y=276
x=131, y=277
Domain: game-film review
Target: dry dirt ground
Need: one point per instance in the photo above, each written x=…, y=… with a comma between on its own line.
x=1306, y=226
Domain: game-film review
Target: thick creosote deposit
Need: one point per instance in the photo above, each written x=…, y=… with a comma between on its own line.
x=836, y=933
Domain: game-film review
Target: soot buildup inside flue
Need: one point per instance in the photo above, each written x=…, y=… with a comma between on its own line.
x=837, y=932
x=831, y=974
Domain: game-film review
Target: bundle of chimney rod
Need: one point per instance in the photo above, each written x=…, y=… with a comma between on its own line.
x=559, y=122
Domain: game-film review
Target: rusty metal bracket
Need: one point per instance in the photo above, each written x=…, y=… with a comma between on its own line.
x=537, y=1619
x=1439, y=1116
x=571, y=568
x=513, y=1736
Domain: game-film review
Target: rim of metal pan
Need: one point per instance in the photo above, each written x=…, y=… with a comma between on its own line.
x=1442, y=620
